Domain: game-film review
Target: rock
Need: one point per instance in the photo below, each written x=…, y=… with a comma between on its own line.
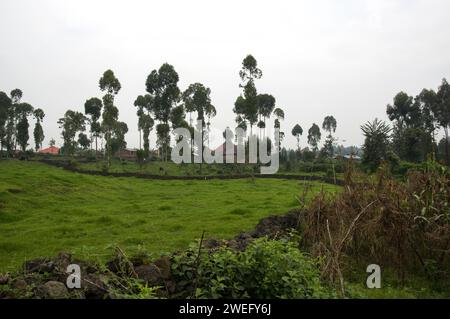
x=20, y=285
x=93, y=287
x=4, y=279
x=62, y=261
x=274, y=225
x=86, y=266
x=113, y=265
x=53, y=290
x=150, y=274
x=164, y=265
x=120, y=266
x=40, y=265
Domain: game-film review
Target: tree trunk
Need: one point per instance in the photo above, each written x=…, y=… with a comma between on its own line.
x=140, y=139
x=447, y=160
x=108, y=149
x=201, y=147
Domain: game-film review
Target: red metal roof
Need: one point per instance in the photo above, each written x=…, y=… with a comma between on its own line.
x=225, y=151
x=50, y=150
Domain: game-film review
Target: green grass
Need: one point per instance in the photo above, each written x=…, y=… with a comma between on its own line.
x=416, y=286
x=45, y=210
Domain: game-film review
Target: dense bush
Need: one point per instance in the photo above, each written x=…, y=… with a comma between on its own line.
x=403, y=225
x=266, y=269
x=402, y=168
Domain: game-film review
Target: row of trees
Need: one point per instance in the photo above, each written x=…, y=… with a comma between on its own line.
x=314, y=136
x=416, y=121
x=167, y=105
x=14, y=123
x=109, y=128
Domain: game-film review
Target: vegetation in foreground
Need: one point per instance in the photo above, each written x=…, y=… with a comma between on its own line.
x=318, y=251
x=403, y=226
x=45, y=210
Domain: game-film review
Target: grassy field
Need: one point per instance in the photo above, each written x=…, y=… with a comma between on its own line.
x=45, y=210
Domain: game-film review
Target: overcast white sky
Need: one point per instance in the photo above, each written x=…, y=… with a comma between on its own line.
x=346, y=58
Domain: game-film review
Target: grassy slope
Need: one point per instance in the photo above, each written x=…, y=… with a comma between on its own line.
x=44, y=210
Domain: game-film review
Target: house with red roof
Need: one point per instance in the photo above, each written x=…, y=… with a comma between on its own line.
x=230, y=151
x=52, y=150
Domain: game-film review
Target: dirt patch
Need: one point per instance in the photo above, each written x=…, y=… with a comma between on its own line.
x=14, y=190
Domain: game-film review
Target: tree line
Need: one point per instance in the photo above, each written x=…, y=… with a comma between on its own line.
x=14, y=124
x=413, y=134
x=415, y=121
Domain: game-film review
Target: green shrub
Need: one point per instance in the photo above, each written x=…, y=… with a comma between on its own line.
x=266, y=269
x=73, y=163
x=402, y=168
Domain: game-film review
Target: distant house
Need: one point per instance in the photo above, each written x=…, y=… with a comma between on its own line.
x=231, y=151
x=352, y=157
x=128, y=153
x=52, y=150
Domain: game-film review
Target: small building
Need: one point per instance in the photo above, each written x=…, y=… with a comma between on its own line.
x=52, y=150
x=355, y=158
x=128, y=153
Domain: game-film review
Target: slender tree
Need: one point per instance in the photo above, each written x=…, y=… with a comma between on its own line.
x=93, y=108
x=314, y=136
x=5, y=106
x=279, y=116
x=162, y=85
x=145, y=120
x=23, y=111
x=329, y=125
x=38, y=132
x=442, y=112
x=297, y=131
x=111, y=85
x=210, y=112
x=197, y=99
x=246, y=105
x=13, y=117
x=266, y=105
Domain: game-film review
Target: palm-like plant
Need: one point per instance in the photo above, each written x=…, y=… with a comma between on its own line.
x=376, y=143
x=375, y=129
